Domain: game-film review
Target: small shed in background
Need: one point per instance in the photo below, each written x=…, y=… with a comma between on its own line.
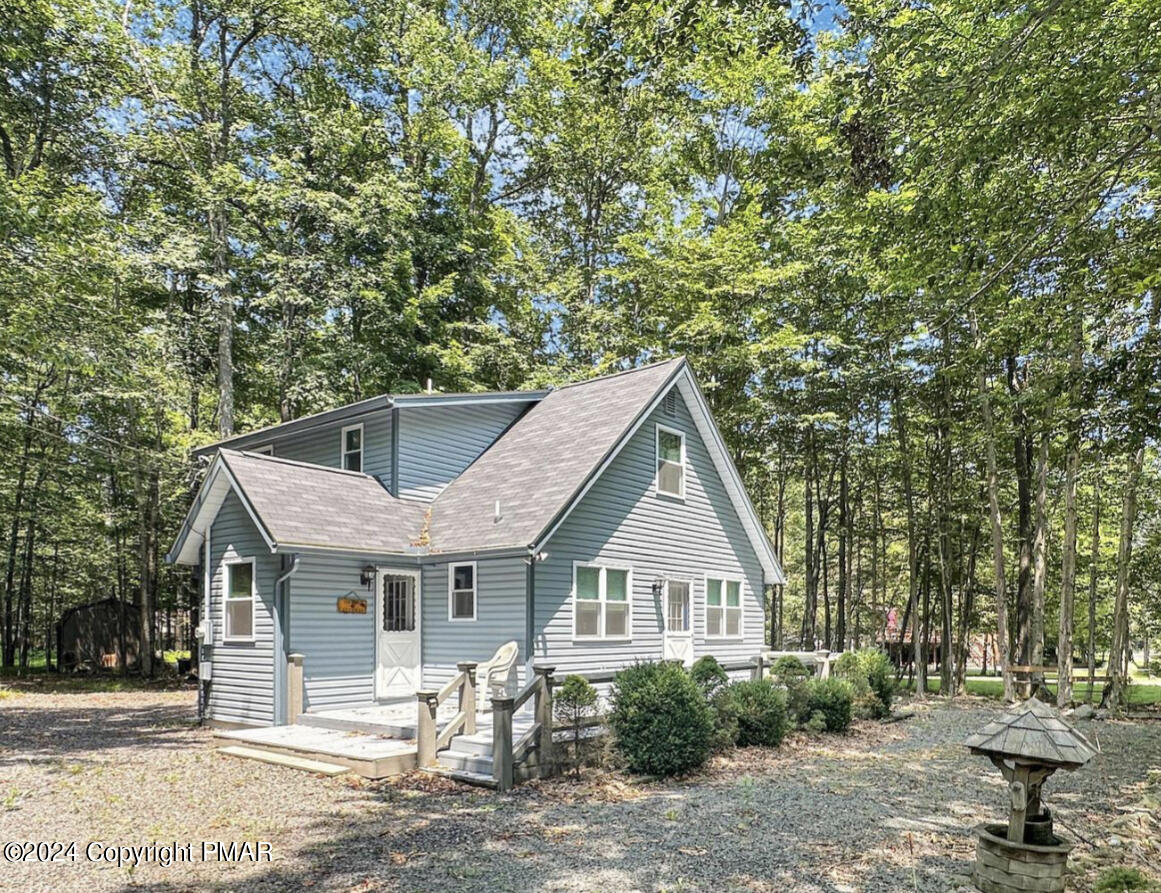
x=89, y=636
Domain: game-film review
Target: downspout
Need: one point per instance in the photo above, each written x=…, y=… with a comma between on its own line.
x=205, y=641
x=530, y=613
x=281, y=639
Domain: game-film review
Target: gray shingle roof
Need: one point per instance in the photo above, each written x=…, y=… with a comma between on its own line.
x=1033, y=731
x=306, y=505
x=542, y=461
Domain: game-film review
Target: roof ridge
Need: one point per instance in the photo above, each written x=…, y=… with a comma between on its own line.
x=574, y=384
x=267, y=457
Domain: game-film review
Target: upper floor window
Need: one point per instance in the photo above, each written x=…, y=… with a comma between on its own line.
x=670, y=462
x=238, y=587
x=461, y=582
x=352, y=448
x=601, y=606
x=723, y=608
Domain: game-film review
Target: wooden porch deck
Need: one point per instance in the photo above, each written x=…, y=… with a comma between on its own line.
x=373, y=740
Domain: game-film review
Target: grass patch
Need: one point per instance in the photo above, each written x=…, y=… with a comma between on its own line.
x=1140, y=694
x=54, y=683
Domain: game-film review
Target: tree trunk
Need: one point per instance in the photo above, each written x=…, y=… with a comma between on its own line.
x=1068, y=560
x=9, y=656
x=1118, y=662
x=145, y=586
x=811, y=600
x=1093, y=570
x=779, y=541
x=843, y=547
x=1119, y=652
x=219, y=232
x=912, y=565
x=1039, y=563
x=996, y=520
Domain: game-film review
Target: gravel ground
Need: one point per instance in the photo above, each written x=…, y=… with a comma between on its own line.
x=886, y=808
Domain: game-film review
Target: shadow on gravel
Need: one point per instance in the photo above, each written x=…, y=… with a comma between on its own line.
x=857, y=816
x=38, y=735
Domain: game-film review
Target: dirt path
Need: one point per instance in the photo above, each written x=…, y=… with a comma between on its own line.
x=886, y=808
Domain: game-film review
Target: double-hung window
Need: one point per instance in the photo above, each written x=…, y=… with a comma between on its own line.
x=723, y=608
x=239, y=591
x=670, y=462
x=461, y=584
x=601, y=604
x=352, y=448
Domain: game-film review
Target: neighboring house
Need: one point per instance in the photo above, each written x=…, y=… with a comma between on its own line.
x=595, y=524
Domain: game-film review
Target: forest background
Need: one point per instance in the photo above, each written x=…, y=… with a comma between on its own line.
x=910, y=248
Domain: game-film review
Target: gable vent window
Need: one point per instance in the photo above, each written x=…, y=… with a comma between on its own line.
x=670, y=462
x=352, y=448
x=669, y=404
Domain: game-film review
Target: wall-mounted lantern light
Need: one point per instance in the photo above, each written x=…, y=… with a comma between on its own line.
x=367, y=576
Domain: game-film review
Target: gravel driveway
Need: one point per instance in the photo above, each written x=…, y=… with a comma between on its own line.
x=886, y=808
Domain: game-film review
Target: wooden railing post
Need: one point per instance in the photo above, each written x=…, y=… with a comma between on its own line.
x=468, y=695
x=425, y=730
x=294, y=692
x=502, y=770
x=544, y=718
x=759, y=670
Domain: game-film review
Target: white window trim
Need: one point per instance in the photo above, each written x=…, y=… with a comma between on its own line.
x=267, y=449
x=227, y=639
x=451, y=591
x=602, y=585
x=344, y=452
x=705, y=606
x=657, y=458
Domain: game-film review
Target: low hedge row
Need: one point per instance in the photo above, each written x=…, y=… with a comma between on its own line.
x=667, y=721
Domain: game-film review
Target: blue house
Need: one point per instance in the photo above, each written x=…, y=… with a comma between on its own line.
x=385, y=542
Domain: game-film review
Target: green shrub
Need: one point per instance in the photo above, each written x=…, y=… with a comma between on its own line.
x=1124, y=880
x=873, y=680
x=817, y=722
x=709, y=675
x=661, y=720
x=574, y=702
x=760, y=707
x=832, y=698
x=725, y=713
x=789, y=672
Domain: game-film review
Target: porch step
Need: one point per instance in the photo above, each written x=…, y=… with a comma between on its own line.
x=465, y=761
x=340, y=723
x=479, y=744
x=281, y=759
x=478, y=779
x=369, y=755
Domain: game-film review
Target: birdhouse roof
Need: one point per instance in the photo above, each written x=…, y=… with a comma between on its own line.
x=1033, y=732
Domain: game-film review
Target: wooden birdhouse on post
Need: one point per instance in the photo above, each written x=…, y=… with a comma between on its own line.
x=1027, y=744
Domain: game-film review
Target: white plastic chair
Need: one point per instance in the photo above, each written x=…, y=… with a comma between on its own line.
x=497, y=677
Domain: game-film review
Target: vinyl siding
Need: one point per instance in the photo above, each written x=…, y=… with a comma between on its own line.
x=436, y=443
x=621, y=522
x=322, y=446
x=338, y=649
x=242, y=688
x=501, y=593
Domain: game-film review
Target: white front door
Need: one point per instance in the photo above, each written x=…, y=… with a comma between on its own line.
x=678, y=640
x=397, y=674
